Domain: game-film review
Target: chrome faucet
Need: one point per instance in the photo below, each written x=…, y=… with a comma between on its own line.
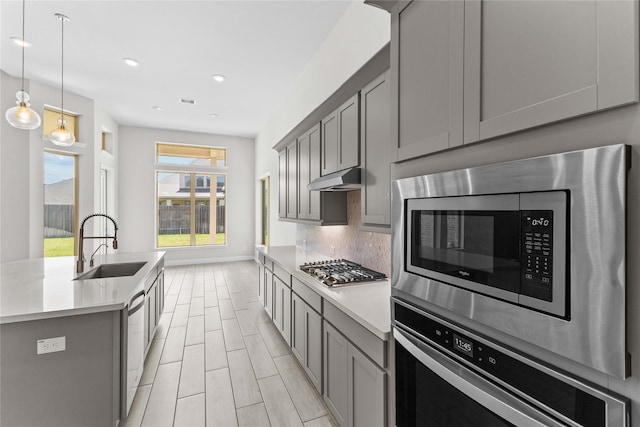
x=81, y=237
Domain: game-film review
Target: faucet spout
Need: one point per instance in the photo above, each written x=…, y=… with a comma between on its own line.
x=81, y=237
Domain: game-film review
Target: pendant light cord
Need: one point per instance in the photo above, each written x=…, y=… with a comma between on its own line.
x=62, y=74
x=23, y=42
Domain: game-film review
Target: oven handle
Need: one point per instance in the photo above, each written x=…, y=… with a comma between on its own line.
x=474, y=386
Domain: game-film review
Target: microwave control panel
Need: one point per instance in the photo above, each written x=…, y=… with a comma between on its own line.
x=537, y=254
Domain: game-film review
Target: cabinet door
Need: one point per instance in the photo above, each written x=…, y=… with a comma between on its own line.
x=292, y=180
x=366, y=388
x=314, y=171
x=282, y=309
x=313, y=347
x=375, y=128
x=282, y=184
x=303, y=176
x=298, y=332
x=427, y=53
x=349, y=133
x=261, y=283
x=308, y=170
x=336, y=362
x=329, y=143
x=528, y=63
x=268, y=294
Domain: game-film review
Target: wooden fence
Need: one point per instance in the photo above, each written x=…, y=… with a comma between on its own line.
x=176, y=219
x=58, y=221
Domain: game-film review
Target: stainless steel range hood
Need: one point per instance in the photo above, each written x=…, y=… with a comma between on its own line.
x=345, y=180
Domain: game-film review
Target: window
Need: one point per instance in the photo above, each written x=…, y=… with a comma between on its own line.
x=50, y=121
x=60, y=217
x=189, y=212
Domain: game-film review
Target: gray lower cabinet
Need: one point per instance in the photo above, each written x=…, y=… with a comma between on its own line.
x=306, y=339
x=354, y=386
x=153, y=306
x=261, y=284
x=268, y=292
x=282, y=308
x=375, y=134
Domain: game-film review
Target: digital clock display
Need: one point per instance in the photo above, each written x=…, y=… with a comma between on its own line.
x=463, y=345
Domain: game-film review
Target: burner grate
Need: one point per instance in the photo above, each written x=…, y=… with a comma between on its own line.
x=340, y=272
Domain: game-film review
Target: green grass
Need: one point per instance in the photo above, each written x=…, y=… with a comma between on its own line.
x=168, y=240
x=58, y=246
x=63, y=246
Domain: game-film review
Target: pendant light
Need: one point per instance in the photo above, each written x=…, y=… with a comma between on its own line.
x=21, y=116
x=61, y=136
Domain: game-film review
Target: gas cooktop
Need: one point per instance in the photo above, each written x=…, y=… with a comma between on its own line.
x=340, y=272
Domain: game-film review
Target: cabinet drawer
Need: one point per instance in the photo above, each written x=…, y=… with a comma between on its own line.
x=261, y=258
x=371, y=345
x=282, y=274
x=310, y=297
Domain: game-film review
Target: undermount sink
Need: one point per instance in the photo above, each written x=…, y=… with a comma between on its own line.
x=112, y=270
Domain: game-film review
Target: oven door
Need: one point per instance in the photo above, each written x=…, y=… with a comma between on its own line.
x=471, y=242
x=434, y=390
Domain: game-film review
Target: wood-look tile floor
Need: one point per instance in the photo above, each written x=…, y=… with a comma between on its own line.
x=217, y=360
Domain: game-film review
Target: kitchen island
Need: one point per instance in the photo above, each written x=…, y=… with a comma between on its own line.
x=63, y=342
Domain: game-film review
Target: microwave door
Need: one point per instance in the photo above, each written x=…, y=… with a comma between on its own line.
x=471, y=242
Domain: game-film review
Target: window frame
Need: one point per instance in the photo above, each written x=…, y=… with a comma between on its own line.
x=187, y=169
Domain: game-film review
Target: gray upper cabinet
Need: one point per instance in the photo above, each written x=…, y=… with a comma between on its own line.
x=466, y=71
x=528, y=63
x=427, y=46
x=341, y=137
x=292, y=180
x=349, y=133
x=375, y=127
x=282, y=184
x=308, y=170
x=329, y=127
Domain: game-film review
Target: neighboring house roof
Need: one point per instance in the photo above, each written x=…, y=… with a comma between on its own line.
x=59, y=193
x=169, y=188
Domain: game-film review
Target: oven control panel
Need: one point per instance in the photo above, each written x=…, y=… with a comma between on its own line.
x=537, y=254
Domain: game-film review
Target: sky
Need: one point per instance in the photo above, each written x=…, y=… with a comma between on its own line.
x=57, y=167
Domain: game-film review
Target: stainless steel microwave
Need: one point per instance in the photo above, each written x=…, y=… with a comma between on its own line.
x=507, y=246
x=530, y=253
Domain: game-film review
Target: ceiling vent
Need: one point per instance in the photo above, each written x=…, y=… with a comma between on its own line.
x=187, y=101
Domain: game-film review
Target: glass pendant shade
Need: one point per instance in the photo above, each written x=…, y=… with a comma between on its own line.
x=61, y=136
x=21, y=116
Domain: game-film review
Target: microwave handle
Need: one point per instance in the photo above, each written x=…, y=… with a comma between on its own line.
x=474, y=386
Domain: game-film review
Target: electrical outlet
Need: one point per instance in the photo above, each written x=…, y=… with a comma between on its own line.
x=51, y=345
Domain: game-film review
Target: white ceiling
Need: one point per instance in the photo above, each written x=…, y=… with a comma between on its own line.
x=260, y=46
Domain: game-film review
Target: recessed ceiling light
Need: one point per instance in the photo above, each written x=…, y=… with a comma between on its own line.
x=187, y=101
x=155, y=107
x=20, y=42
x=214, y=115
x=131, y=62
x=219, y=77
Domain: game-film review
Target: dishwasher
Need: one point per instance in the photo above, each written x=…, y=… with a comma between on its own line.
x=133, y=349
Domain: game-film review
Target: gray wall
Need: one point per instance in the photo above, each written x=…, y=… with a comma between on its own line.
x=616, y=126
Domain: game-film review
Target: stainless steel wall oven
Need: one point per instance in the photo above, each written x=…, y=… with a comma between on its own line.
x=529, y=253
x=450, y=376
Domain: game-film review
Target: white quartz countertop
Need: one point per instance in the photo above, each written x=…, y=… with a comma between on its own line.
x=44, y=288
x=367, y=303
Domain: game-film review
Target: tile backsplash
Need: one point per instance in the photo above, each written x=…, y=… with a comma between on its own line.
x=372, y=250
